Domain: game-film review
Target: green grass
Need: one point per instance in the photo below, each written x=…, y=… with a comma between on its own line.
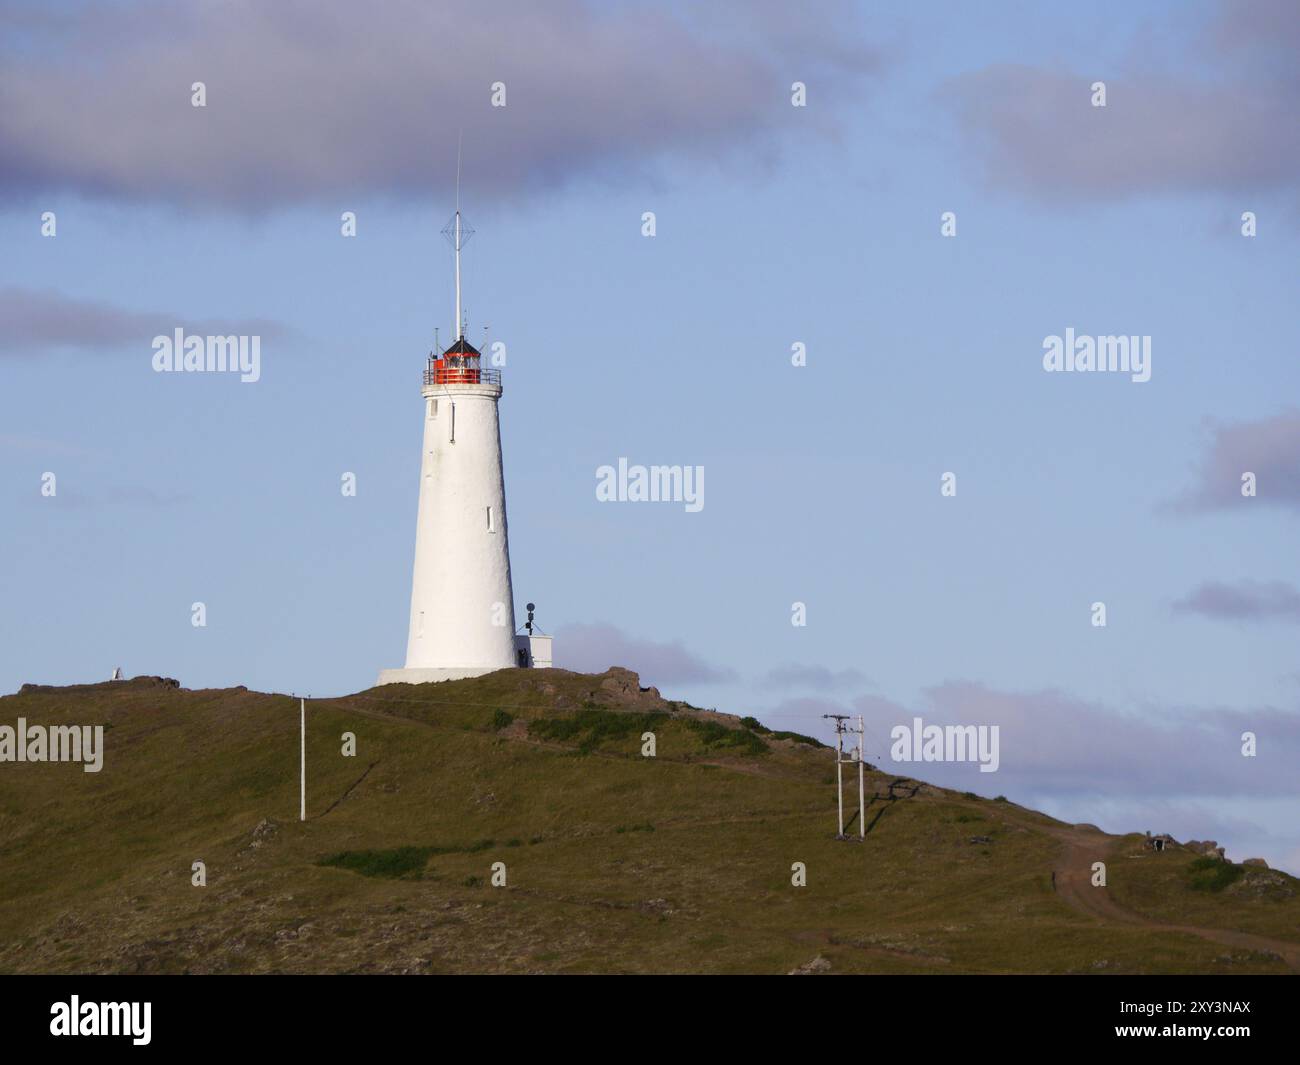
x=797, y=737
x=715, y=736
x=1212, y=874
x=1181, y=887
x=616, y=863
x=395, y=863
x=400, y=862
x=592, y=728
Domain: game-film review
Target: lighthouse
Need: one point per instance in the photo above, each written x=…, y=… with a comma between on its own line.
x=462, y=621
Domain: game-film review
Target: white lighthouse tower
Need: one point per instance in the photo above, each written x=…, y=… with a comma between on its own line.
x=462, y=604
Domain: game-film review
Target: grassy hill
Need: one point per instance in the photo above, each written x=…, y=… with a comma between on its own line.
x=614, y=862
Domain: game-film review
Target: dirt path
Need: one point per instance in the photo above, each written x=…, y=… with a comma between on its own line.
x=1072, y=879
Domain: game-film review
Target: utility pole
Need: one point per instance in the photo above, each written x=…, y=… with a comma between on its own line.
x=842, y=758
x=302, y=791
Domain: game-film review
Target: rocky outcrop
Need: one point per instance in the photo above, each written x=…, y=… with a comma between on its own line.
x=134, y=682
x=263, y=833
x=624, y=688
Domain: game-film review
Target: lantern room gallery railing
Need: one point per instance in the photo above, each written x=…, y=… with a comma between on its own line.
x=461, y=375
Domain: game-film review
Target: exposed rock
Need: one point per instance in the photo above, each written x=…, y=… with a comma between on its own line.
x=981, y=839
x=1208, y=848
x=264, y=832
x=516, y=730
x=159, y=682
x=1256, y=863
x=1266, y=884
x=624, y=687
x=817, y=965
x=135, y=682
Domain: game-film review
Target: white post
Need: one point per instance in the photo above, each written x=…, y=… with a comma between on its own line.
x=302, y=810
x=839, y=774
x=862, y=794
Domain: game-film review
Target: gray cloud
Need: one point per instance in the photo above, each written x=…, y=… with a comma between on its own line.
x=35, y=321
x=312, y=100
x=1161, y=767
x=819, y=678
x=1055, y=744
x=1245, y=601
x=594, y=648
x=1269, y=448
x=1035, y=130
x=808, y=711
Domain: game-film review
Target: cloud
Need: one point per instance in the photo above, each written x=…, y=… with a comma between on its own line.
x=322, y=100
x=819, y=678
x=38, y=321
x=806, y=714
x=1269, y=448
x=1246, y=601
x=1243, y=830
x=594, y=648
x=1034, y=129
x=1161, y=767
x=1053, y=743
x=807, y=710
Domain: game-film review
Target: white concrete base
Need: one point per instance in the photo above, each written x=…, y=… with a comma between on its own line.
x=429, y=676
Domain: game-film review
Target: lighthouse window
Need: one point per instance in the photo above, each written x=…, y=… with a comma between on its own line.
x=433, y=408
x=491, y=528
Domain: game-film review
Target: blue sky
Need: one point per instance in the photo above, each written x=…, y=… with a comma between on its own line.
x=775, y=225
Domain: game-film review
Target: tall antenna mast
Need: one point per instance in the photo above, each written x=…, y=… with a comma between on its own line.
x=458, y=232
x=458, y=331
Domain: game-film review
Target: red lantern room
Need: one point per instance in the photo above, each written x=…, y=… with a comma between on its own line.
x=458, y=365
